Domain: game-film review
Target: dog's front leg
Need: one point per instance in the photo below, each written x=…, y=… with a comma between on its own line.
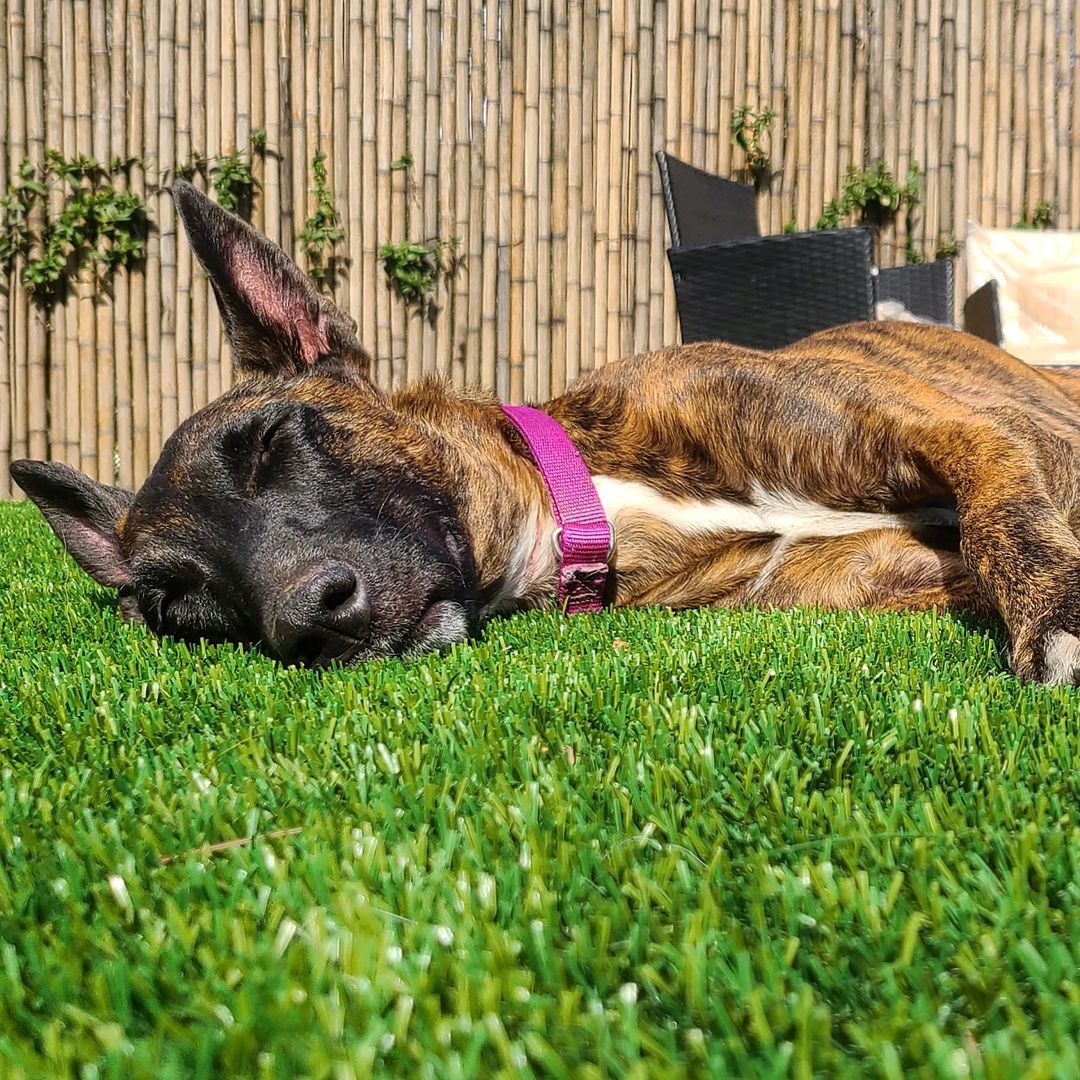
x=1016, y=489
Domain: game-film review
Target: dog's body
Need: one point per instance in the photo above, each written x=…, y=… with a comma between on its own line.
x=894, y=466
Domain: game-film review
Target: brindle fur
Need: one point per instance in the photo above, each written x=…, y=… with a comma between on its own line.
x=432, y=496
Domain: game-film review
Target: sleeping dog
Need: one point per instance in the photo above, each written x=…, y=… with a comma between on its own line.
x=881, y=465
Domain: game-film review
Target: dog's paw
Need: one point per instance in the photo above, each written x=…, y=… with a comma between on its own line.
x=1051, y=658
x=1061, y=659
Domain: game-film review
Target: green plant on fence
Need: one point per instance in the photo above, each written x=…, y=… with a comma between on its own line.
x=98, y=225
x=948, y=247
x=1041, y=216
x=748, y=129
x=414, y=269
x=874, y=197
x=871, y=196
x=231, y=174
x=322, y=230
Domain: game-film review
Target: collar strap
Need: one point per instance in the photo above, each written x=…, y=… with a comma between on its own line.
x=584, y=539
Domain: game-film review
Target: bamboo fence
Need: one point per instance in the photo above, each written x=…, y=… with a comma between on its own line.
x=525, y=129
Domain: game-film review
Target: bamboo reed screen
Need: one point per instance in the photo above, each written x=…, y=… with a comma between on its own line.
x=531, y=126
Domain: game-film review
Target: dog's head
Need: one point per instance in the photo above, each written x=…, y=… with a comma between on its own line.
x=300, y=511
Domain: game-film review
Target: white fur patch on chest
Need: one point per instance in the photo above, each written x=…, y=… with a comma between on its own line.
x=767, y=513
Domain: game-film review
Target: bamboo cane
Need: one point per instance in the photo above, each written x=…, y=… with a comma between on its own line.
x=649, y=192
x=383, y=157
x=399, y=192
x=1035, y=181
x=990, y=110
x=166, y=217
x=616, y=180
x=638, y=224
x=470, y=209
x=140, y=419
x=121, y=328
x=493, y=226
x=200, y=286
x=7, y=489
x=54, y=137
x=782, y=146
x=931, y=216
x=1005, y=105
x=214, y=149
x=181, y=250
x=503, y=346
x=805, y=152
x=370, y=274
x=519, y=47
x=589, y=189
x=570, y=16
x=687, y=97
x=819, y=61
x=430, y=197
x=357, y=90
x=970, y=207
x=538, y=329
x=257, y=50
x=244, y=90
x=606, y=76
x=37, y=339
x=1066, y=167
x=272, y=92
x=727, y=64
x=710, y=84
x=344, y=152
x=104, y=357
x=1074, y=156
x=19, y=300
x=962, y=128
x=858, y=135
x=1013, y=163
x=417, y=131
x=668, y=137
x=230, y=140
x=468, y=76
x=88, y=446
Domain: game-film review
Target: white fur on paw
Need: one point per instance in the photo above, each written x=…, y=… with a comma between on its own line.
x=1061, y=659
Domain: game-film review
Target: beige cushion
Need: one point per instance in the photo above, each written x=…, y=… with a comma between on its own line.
x=1038, y=276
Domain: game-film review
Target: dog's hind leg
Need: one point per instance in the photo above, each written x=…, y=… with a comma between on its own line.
x=1017, y=493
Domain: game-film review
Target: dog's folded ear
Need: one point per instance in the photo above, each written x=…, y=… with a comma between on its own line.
x=84, y=514
x=276, y=323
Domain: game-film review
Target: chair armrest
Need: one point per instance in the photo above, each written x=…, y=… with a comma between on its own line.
x=770, y=291
x=982, y=313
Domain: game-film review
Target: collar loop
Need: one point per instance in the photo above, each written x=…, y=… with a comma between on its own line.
x=584, y=538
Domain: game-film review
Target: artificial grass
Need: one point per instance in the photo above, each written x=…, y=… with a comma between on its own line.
x=640, y=844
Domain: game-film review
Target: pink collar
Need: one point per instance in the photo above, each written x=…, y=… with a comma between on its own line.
x=584, y=538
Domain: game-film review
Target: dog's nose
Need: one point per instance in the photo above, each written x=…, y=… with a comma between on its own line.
x=323, y=616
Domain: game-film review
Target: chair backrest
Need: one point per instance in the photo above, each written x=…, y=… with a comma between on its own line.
x=703, y=208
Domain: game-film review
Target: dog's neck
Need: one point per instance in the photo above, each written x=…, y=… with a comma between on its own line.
x=508, y=514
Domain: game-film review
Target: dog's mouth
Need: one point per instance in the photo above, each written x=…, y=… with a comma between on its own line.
x=441, y=624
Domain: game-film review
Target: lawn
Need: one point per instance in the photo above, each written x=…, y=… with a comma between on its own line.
x=640, y=844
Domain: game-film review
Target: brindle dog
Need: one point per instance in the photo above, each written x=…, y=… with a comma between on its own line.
x=882, y=465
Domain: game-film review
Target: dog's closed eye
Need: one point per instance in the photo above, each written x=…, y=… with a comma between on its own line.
x=268, y=449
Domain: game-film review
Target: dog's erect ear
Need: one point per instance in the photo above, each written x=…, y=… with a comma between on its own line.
x=276, y=323
x=83, y=513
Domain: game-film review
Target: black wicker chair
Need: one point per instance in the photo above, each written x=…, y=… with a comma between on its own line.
x=733, y=284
